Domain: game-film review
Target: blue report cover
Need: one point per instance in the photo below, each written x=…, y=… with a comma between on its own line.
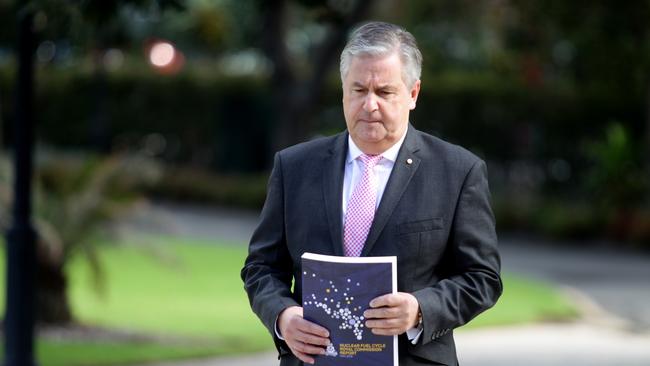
x=335, y=293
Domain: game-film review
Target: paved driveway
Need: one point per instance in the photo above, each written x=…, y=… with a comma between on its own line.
x=617, y=281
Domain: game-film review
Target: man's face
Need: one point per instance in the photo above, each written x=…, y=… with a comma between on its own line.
x=377, y=102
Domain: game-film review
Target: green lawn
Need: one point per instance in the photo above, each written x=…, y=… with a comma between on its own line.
x=78, y=353
x=526, y=301
x=192, y=288
x=176, y=286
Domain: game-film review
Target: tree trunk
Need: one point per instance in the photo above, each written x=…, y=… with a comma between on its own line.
x=1, y=127
x=21, y=243
x=282, y=79
x=296, y=99
x=52, y=306
x=647, y=137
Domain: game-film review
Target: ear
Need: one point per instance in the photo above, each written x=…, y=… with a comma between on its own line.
x=415, y=91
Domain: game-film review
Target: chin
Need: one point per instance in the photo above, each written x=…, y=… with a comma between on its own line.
x=371, y=136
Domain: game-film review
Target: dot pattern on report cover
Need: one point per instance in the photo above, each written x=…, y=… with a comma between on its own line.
x=339, y=305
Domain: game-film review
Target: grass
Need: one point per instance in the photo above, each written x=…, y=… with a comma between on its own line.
x=178, y=287
x=191, y=288
x=526, y=301
x=68, y=353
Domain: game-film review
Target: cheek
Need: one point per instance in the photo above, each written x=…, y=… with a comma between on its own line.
x=393, y=112
x=352, y=106
x=349, y=111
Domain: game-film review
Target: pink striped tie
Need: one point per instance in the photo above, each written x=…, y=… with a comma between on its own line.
x=361, y=208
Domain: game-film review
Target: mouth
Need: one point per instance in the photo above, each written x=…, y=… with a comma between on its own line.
x=369, y=121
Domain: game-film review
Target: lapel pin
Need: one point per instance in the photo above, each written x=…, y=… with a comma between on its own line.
x=409, y=161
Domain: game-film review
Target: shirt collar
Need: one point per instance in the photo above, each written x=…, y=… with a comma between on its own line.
x=390, y=154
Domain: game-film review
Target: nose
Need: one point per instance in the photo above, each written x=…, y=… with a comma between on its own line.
x=370, y=103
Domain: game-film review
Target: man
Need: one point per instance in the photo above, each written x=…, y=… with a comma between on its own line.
x=380, y=188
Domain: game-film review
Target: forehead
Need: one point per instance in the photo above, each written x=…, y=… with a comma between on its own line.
x=387, y=68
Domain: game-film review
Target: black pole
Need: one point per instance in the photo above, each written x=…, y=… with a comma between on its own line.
x=21, y=238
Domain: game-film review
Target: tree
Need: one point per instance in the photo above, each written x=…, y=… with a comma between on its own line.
x=602, y=45
x=68, y=17
x=76, y=197
x=298, y=86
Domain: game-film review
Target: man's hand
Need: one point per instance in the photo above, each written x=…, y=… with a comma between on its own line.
x=392, y=314
x=303, y=337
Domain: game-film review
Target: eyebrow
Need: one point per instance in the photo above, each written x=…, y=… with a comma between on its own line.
x=358, y=84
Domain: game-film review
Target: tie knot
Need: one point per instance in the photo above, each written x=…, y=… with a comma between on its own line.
x=370, y=160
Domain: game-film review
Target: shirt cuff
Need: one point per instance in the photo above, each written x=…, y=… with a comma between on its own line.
x=414, y=334
x=277, y=330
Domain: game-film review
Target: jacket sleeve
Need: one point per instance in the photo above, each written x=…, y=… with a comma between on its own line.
x=472, y=283
x=267, y=272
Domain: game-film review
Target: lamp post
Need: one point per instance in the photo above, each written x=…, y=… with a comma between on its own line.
x=21, y=237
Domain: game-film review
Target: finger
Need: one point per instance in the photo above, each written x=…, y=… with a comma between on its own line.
x=387, y=332
x=312, y=339
x=311, y=328
x=384, y=323
x=381, y=313
x=308, y=349
x=303, y=357
x=384, y=300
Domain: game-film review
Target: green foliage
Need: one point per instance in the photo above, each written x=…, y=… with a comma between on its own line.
x=574, y=219
x=200, y=186
x=75, y=198
x=616, y=178
x=619, y=186
x=78, y=194
x=568, y=220
x=206, y=119
x=224, y=122
x=605, y=47
x=88, y=24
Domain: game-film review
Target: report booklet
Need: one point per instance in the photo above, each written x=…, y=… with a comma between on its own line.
x=335, y=293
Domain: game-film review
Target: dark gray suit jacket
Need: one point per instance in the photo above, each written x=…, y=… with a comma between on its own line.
x=435, y=216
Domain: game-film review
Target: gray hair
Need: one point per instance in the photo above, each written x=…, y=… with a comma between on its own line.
x=381, y=39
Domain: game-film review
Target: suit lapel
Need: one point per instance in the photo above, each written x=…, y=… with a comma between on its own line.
x=333, y=169
x=397, y=184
